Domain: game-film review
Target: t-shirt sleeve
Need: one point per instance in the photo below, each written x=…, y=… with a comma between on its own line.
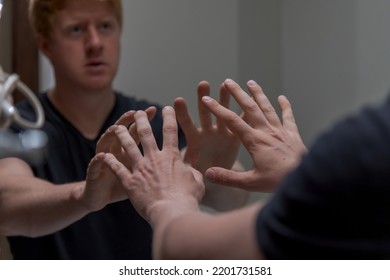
x=335, y=204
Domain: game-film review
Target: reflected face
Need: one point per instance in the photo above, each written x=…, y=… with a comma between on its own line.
x=84, y=45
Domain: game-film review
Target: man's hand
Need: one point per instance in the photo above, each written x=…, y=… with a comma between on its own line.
x=102, y=186
x=210, y=144
x=275, y=147
x=158, y=183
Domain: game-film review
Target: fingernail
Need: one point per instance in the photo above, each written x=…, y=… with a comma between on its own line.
x=229, y=81
x=206, y=98
x=168, y=108
x=252, y=83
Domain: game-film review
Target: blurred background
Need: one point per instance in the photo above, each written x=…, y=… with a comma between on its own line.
x=328, y=57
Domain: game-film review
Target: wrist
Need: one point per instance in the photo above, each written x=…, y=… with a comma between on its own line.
x=162, y=212
x=79, y=198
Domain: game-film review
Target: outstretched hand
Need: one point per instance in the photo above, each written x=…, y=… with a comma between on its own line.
x=210, y=144
x=101, y=185
x=275, y=147
x=159, y=184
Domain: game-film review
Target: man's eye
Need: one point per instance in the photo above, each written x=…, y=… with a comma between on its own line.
x=75, y=29
x=105, y=25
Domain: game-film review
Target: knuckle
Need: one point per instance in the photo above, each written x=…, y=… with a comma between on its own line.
x=144, y=132
x=169, y=128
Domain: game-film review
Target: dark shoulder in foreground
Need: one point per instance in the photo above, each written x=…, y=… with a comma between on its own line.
x=335, y=205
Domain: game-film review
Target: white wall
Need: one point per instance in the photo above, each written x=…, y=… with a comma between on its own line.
x=169, y=46
x=318, y=60
x=335, y=58
x=373, y=50
x=260, y=43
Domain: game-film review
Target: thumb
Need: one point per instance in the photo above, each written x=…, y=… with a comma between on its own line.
x=95, y=167
x=227, y=177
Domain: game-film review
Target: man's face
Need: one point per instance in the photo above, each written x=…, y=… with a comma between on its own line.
x=84, y=45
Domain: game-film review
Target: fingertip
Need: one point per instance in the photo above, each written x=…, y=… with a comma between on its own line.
x=168, y=109
x=229, y=81
x=283, y=100
x=129, y=113
x=151, y=109
x=207, y=99
x=178, y=99
x=140, y=113
x=111, y=128
x=210, y=174
x=100, y=155
x=252, y=83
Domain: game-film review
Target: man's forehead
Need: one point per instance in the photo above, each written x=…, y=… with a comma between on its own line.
x=81, y=10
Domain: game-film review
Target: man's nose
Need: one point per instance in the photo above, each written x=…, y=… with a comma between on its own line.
x=94, y=40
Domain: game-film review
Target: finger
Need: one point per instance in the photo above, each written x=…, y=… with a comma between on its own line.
x=253, y=113
x=200, y=181
x=198, y=175
x=108, y=142
x=145, y=133
x=116, y=146
x=222, y=176
x=116, y=167
x=184, y=119
x=246, y=180
x=224, y=100
x=95, y=167
x=235, y=123
x=105, y=141
x=287, y=114
x=170, y=129
x=204, y=114
x=264, y=103
x=126, y=119
x=129, y=146
x=151, y=113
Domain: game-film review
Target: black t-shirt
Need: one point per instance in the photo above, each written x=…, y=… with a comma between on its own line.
x=336, y=204
x=115, y=232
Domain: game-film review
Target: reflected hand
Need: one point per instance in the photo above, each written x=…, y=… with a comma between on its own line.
x=210, y=144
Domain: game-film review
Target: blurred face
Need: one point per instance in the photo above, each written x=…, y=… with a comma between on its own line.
x=84, y=45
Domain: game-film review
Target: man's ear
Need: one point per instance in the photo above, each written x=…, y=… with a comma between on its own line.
x=44, y=45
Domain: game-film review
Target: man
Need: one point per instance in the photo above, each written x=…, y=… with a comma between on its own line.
x=56, y=210
x=334, y=205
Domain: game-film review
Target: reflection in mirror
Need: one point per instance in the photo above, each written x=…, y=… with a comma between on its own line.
x=1, y=6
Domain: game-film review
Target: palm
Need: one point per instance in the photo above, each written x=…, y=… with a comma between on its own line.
x=211, y=147
x=210, y=144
